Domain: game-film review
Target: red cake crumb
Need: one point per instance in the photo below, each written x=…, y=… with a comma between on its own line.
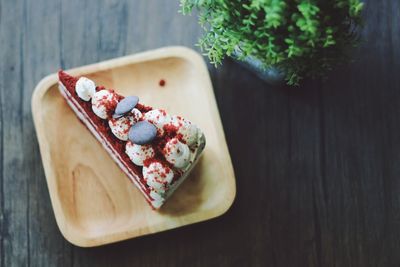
x=162, y=82
x=170, y=130
x=67, y=80
x=142, y=108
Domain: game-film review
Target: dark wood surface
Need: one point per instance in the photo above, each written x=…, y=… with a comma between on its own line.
x=317, y=167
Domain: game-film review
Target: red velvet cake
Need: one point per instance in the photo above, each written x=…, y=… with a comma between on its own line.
x=156, y=150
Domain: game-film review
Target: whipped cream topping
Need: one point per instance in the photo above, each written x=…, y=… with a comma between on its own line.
x=189, y=133
x=137, y=115
x=185, y=128
x=120, y=126
x=158, y=200
x=176, y=121
x=138, y=153
x=177, y=153
x=104, y=103
x=85, y=88
x=159, y=118
x=158, y=176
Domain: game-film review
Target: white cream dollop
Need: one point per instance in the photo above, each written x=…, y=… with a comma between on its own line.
x=137, y=115
x=139, y=153
x=103, y=102
x=120, y=126
x=85, y=88
x=159, y=118
x=185, y=128
x=158, y=176
x=189, y=133
x=158, y=200
x=177, y=153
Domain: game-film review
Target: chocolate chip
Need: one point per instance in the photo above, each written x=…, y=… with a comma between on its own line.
x=142, y=133
x=126, y=105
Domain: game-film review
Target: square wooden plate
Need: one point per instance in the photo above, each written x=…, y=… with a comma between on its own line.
x=93, y=200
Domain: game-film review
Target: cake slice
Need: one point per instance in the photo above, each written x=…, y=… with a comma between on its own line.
x=155, y=150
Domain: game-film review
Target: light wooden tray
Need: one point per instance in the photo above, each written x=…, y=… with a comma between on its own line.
x=93, y=201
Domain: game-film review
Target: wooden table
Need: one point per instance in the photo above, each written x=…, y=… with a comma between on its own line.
x=318, y=167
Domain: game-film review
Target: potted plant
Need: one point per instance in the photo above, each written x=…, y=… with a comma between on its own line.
x=280, y=39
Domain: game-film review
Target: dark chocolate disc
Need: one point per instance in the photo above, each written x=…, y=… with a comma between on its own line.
x=142, y=133
x=126, y=105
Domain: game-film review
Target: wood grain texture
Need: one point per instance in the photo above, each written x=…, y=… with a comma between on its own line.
x=317, y=176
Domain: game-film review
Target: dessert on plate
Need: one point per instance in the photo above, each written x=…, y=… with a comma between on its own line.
x=156, y=150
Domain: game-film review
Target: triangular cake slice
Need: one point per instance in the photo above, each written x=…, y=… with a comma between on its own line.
x=156, y=150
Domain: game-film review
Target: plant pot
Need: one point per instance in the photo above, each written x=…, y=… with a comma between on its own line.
x=270, y=75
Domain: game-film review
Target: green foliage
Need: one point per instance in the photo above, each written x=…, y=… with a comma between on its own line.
x=301, y=37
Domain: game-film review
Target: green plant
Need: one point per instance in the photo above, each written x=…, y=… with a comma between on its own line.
x=300, y=37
